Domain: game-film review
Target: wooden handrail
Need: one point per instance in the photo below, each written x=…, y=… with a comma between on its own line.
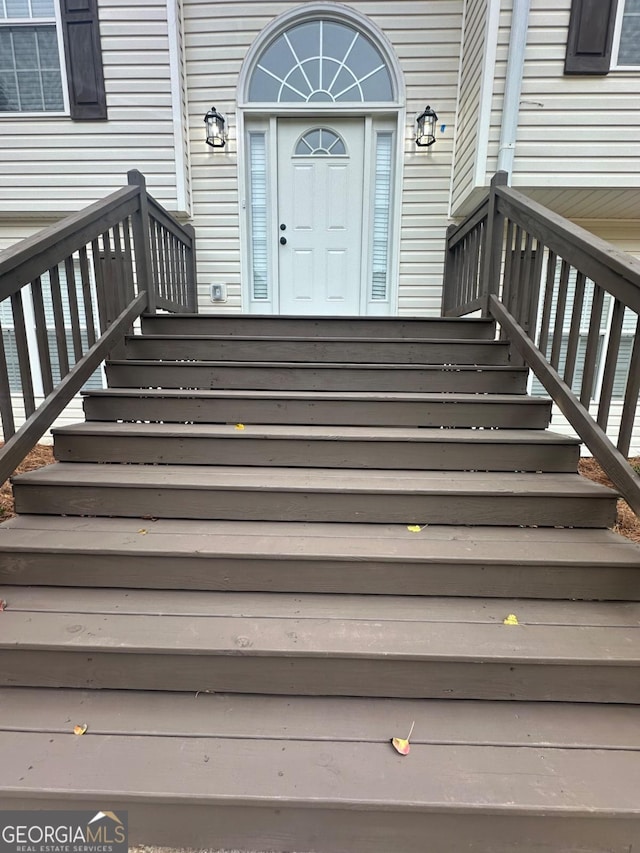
x=126, y=254
x=511, y=239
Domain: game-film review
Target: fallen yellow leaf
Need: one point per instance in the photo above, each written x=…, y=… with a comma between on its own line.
x=511, y=619
x=240, y=426
x=401, y=744
x=80, y=729
x=142, y=531
x=415, y=528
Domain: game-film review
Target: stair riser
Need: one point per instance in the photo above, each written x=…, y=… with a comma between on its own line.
x=296, y=378
x=319, y=412
x=244, y=450
x=240, y=672
x=165, y=501
x=177, y=824
x=394, y=328
x=356, y=352
x=225, y=574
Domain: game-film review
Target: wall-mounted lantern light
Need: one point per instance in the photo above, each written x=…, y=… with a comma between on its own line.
x=426, y=122
x=216, y=131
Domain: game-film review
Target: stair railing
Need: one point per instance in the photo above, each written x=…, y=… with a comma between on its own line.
x=556, y=291
x=69, y=295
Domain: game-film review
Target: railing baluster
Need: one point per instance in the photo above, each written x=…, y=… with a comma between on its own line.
x=593, y=345
x=119, y=290
x=611, y=363
x=552, y=264
x=558, y=325
x=42, y=336
x=162, y=245
x=6, y=404
x=155, y=254
x=508, y=264
x=58, y=319
x=534, y=289
x=87, y=297
x=130, y=293
x=109, y=278
x=632, y=391
x=515, y=274
x=72, y=295
x=101, y=295
x=574, y=332
x=22, y=347
x=524, y=291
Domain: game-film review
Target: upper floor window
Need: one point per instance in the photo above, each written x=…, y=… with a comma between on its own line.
x=30, y=68
x=321, y=61
x=629, y=38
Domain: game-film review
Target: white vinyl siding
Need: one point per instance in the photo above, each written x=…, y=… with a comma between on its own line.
x=574, y=132
x=56, y=165
x=426, y=38
x=472, y=67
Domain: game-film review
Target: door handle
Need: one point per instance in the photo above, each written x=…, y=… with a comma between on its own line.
x=283, y=241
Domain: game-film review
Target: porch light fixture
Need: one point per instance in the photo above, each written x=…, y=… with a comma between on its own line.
x=216, y=131
x=426, y=122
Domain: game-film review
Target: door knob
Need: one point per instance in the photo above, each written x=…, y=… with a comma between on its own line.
x=283, y=227
x=283, y=241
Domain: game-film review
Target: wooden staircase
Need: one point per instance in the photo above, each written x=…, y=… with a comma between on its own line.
x=276, y=543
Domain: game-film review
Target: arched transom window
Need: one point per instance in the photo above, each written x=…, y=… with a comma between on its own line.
x=320, y=142
x=321, y=61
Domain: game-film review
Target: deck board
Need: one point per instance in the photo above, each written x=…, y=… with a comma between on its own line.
x=519, y=724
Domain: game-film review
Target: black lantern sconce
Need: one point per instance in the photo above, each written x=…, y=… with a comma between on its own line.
x=426, y=134
x=216, y=131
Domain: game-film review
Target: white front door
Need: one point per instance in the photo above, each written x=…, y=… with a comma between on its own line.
x=320, y=216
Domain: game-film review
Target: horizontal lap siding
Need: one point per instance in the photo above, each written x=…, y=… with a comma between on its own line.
x=54, y=164
x=576, y=131
x=468, y=113
x=426, y=38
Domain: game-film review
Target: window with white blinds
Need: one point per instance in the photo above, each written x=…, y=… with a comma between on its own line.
x=30, y=75
x=381, y=216
x=258, y=215
x=8, y=333
x=626, y=343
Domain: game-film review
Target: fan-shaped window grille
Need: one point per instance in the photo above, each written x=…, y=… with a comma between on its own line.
x=320, y=143
x=321, y=61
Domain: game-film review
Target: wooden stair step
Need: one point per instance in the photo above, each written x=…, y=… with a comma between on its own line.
x=322, y=446
x=386, y=646
x=317, y=349
x=320, y=774
x=320, y=558
x=319, y=407
x=183, y=325
x=300, y=376
x=308, y=494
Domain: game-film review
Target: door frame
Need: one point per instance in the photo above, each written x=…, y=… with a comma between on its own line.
x=373, y=122
x=264, y=117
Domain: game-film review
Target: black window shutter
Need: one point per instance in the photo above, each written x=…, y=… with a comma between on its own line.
x=84, y=60
x=590, y=36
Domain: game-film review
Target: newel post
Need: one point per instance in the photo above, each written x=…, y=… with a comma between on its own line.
x=493, y=243
x=449, y=274
x=141, y=240
x=192, y=284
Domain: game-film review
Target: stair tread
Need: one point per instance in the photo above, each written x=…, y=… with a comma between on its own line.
x=320, y=365
x=404, y=396
x=345, y=775
x=321, y=719
x=323, y=339
x=308, y=540
x=338, y=627
x=342, y=433
x=334, y=608
x=368, y=481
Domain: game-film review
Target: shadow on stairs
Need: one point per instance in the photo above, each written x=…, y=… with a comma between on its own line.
x=275, y=544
